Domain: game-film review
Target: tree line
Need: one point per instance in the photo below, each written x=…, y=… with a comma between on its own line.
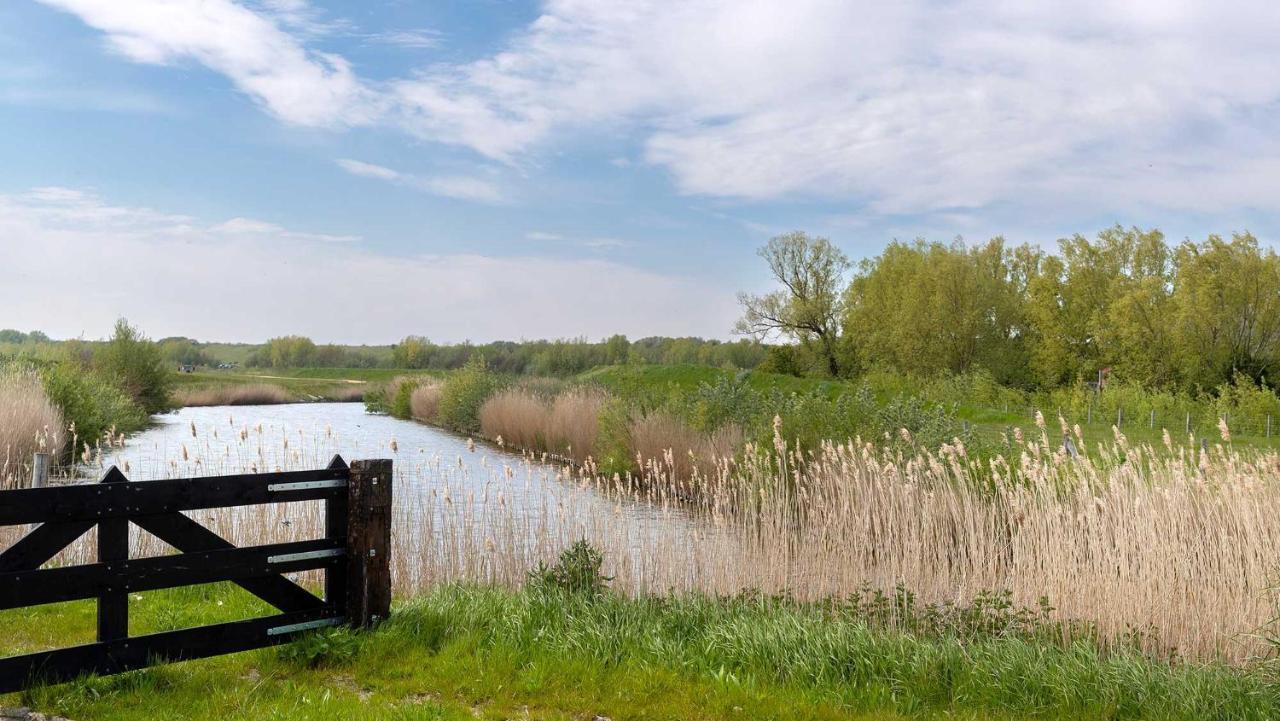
x=538, y=357
x=1126, y=304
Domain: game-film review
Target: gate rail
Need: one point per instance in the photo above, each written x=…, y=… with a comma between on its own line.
x=354, y=555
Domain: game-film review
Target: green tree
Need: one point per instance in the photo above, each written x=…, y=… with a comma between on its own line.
x=137, y=366
x=810, y=306
x=290, y=351
x=1226, y=316
x=413, y=351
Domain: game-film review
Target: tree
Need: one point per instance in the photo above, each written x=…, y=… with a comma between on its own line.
x=809, y=308
x=413, y=351
x=290, y=351
x=137, y=366
x=929, y=308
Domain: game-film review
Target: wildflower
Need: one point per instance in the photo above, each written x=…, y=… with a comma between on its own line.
x=1224, y=430
x=1039, y=420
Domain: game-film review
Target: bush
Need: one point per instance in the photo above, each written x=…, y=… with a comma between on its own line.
x=577, y=571
x=138, y=367
x=464, y=394
x=91, y=404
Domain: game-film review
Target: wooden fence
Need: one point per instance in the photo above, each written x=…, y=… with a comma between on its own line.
x=354, y=554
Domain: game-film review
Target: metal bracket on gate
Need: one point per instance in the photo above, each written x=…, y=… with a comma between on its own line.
x=305, y=626
x=306, y=555
x=305, y=485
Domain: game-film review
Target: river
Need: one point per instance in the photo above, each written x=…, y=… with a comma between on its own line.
x=463, y=510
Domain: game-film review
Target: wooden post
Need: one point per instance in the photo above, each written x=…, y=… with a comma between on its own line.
x=335, y=529
x=1153, y=418
x=369, y=542
x=40, y=470
x=1268, y=425
x=1188, y=429
x=113, y=550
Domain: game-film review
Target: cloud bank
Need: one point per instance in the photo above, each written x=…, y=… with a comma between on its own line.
x=912, y=106
x=74, y=262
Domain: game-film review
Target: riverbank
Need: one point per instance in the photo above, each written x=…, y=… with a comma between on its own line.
x=466, y=652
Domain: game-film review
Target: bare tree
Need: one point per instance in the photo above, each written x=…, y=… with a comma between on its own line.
x=809, y=307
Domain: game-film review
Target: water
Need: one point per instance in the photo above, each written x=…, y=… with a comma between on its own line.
x=463, y=510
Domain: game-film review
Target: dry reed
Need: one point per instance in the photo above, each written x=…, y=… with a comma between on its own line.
x=660, y=436
x=424, y=402
x=574, y=423
x=517, y=418
x=1175, y=543
x=248, y=394
x=29, y=423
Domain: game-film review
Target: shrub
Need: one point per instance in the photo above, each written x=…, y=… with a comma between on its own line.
x=91, y=405
x=613, y=438
x=577, y=571
x=137, y=366
x=464, y=394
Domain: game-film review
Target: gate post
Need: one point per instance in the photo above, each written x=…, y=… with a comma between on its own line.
x=369, y=542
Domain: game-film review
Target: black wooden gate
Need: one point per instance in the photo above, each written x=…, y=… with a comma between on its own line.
x=355, y=556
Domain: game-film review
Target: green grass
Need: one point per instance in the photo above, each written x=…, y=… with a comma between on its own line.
x=644, y=381
x=467, y=652
x=301, y=383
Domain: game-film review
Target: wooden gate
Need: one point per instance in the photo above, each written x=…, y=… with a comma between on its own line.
x=354, y=554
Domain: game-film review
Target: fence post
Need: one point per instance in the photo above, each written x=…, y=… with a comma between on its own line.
x=1119, y=417
x=40, y=470
x=113, y=550
x=1153, y=418
x=369, y=542
x=1268, y=425
x=1188, y=430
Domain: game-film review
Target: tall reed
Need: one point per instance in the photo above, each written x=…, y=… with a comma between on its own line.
x=1170, y=550
x=424, y=402
x=29, y=422
x=247, y=394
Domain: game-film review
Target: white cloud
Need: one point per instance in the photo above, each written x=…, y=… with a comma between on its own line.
x=246, y=279
x=368, y=170
x=261, y=59
x=450, y=186
x=420, y=39
x=903, y=107
x=543, y=236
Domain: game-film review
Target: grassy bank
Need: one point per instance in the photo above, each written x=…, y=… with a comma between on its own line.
x=464, y=652
x=218, y=388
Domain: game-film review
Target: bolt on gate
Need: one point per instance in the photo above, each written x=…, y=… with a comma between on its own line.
x=354, y=555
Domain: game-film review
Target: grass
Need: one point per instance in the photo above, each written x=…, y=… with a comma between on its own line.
x=465, y=652
x=270, y=385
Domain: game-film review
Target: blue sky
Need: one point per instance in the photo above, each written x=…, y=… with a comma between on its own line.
x=359, y=171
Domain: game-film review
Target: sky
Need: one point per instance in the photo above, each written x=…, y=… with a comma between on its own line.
x=478, y=169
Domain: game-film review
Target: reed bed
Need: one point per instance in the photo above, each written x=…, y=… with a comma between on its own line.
x=683, y=449
x=424, y=402
x=29, y=423
x=565, y=425
x=248, y=394
x=1171, y=550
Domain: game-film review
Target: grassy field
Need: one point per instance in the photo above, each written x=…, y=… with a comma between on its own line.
x=465, y=652
x=298, y=384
